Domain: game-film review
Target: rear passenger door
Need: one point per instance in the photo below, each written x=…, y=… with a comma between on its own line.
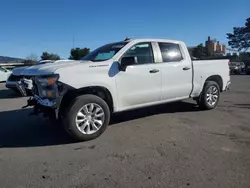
x=176, y=71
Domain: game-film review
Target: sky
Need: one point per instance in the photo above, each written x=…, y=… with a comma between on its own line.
x=33, y=26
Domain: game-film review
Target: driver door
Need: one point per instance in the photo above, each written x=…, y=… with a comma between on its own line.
x=140, y=84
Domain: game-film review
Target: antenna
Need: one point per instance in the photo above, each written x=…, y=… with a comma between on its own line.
x=73, y=41
x=126, y=39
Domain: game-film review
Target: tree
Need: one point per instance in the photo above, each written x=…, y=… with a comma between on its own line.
x=244, y=56
x=240, y=38
x=78, y=53
x=49, y=56
x=31, y=59
x=200, y=52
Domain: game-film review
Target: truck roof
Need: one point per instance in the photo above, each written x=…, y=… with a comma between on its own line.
x=153, y=40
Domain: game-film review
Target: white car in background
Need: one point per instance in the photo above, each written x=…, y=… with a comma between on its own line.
x=4, y=74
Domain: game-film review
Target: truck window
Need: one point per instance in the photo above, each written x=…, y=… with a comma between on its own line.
x=142, y=51
x=105, y=52
x=170, y=52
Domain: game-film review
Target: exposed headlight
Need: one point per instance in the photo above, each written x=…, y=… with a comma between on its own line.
x=47, y=80
x=47, y=87
x=49, y=94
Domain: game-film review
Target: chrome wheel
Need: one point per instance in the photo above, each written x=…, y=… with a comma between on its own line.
x=90, y=118
x=212, y=95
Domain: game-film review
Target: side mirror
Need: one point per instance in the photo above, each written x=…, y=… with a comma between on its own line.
x=126, y=61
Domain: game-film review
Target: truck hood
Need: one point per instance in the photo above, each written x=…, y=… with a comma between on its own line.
x=19, y=71
x=49, y=68
x=22, y=70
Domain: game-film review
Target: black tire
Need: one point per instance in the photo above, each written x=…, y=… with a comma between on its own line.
x=70, y=117
x=202, y=102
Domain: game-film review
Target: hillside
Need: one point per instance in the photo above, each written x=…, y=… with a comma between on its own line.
x=5, y=59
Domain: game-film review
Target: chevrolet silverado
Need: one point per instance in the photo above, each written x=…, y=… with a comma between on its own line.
x=121, y=76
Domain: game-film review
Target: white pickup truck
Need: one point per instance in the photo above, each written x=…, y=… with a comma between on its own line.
x=122, y=76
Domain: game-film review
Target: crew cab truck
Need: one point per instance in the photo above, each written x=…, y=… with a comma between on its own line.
x=122, y=76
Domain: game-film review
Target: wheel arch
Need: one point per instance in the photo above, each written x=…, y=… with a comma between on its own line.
x=99, y=91
x=216, y=78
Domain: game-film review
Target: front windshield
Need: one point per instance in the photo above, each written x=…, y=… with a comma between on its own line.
x=105, y=52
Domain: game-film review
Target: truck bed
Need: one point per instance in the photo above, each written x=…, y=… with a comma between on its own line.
x=203, y=68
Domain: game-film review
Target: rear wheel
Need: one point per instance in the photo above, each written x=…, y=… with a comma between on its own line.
x=210, y=95
x=87, y=118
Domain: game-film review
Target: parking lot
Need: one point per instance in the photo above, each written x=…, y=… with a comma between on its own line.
x=172, y=145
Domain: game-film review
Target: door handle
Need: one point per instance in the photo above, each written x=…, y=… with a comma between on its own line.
x=154, y=71
x=186, y=68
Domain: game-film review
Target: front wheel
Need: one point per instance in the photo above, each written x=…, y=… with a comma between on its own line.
x=87, y=118
x=210, y=95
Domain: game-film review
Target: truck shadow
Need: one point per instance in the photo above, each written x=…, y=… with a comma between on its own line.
x=245, y=106
x=174, y=107
x=19, y=129
x=8, y=94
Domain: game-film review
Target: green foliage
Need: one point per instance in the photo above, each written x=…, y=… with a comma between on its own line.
x=235, y=54
x=200, y=52
x=244, y=56
x=234, y=57
x=32, y=57
x=49, y=56
x=240, y=38
x=28, y=62
x=78, y=53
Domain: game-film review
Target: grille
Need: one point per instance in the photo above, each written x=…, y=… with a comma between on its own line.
x=17, y=78
x=35, y=89
x=14, y=78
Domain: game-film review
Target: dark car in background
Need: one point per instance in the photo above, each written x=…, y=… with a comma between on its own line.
x=248, y=70
x=237, y=67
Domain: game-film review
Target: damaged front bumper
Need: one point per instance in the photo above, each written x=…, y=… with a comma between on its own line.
x=47, y=106
x=39, y=107
x=45, y=102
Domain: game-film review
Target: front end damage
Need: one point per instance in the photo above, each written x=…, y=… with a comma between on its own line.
x=47, y=94
x=38, y=108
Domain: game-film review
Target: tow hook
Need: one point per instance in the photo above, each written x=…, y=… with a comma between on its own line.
x=30, y=102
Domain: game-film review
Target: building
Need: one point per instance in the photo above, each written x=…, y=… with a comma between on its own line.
x=215, y=48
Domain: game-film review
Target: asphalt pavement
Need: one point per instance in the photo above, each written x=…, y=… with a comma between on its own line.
x=173, y=145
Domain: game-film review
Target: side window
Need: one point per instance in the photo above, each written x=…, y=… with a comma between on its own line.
x=170, y=52
x=143, y=53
